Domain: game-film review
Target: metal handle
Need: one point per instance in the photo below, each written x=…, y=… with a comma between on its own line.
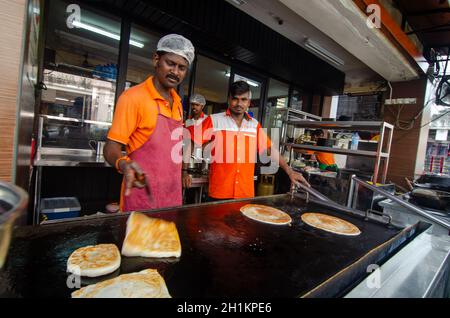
x=403, y=203
x=312, y=192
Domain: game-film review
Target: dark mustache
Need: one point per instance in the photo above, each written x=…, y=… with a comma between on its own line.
x=176, y=78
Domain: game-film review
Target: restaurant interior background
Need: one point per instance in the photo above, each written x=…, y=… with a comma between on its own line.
x=83, y=67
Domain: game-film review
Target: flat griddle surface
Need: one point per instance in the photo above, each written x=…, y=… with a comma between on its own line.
x=224, y=254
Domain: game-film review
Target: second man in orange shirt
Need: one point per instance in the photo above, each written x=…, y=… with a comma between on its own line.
x=236, y=140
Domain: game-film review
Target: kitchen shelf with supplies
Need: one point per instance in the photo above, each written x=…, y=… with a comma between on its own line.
x=278, y=116
x=383, y=147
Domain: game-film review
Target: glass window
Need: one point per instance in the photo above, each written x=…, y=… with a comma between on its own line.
x=278, y=94
x=297, y=100
x=212, y=81
x=140, y=55
x=277, y=98
x=80, y=62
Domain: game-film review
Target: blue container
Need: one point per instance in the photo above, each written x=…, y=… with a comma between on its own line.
x=60, y=208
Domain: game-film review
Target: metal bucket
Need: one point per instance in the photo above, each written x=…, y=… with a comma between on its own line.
x=13, y=203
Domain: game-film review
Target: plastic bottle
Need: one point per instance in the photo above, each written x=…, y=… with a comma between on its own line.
x=355, y=141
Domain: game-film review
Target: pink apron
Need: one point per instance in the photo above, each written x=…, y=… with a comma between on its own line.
x=163, y=175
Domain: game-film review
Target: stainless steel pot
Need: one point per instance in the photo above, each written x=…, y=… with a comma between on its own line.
x=13, y=204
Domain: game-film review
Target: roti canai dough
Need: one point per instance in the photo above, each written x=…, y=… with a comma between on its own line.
x=150, y=237
x=330, y=224
x=266, y=214
x=94, y=261
x=145, y=284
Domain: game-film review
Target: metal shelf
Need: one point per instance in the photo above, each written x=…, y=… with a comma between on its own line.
x=371, y=126
x=339, y=151
x=381, y=156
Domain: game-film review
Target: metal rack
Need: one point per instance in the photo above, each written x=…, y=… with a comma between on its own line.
x=278, y=118
x=384, y=129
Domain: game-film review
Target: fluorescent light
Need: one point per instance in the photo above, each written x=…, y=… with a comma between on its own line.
x=251, y=83
x=316, y=48
x=65, y=88
x=62, y=99
x=110, y=35
x=239, y=2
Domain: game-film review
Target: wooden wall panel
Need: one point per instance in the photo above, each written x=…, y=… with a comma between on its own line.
x=405, y=144
x=12, y=16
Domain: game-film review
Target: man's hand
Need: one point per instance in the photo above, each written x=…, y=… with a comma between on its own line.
x=132, y=173
x=298, y=178
x=187, y=180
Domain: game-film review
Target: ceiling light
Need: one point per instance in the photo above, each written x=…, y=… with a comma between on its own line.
x=316, y=48
x=254, y=84
x=251, y=83
x=62, y=99
x=238, y=2
x=110, y=35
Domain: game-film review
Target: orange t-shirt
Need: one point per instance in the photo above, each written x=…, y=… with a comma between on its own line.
x=136, y=114
x=234, y=154
x=325, y=158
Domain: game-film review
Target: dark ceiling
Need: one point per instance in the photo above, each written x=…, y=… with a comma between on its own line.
x=430, y=20
x=220, y=28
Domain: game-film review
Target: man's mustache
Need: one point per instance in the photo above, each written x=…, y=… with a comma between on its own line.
x=175, y=78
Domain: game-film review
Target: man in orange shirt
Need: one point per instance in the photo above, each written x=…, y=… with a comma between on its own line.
x=325, y=159
x=235, y=138
x=146, y=119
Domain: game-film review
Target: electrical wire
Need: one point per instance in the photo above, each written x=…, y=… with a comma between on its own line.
x=437, y=118
x=407, y=124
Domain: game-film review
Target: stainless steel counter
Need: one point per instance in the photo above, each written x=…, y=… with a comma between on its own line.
x=419, y=270
x=56, y=160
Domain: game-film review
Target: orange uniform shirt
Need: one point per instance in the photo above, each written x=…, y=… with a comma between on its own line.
x=234, y=153
x=136, y=114
x=325, y=158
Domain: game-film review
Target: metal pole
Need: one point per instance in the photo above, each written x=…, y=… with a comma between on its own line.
x=314, y=193
x=386, y=160
x=405, y=204
x=351, y=192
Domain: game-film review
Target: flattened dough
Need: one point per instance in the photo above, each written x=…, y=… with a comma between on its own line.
x=145, y=284
x=330, y=224
x=149, y=237
x=94, y=261
x=266, y=214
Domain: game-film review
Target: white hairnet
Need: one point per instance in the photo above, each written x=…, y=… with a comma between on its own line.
x=177, y=44
x=198, y=99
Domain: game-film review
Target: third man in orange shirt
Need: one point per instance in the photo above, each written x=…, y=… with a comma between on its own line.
x=236, y=139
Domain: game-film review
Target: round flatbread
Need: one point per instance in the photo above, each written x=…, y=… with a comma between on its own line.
x=266, y=214
x=330, y=224
x=145, y=284
x=94, y=261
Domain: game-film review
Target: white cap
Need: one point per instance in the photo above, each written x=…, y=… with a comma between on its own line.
x=179, y=45
x=198, y=99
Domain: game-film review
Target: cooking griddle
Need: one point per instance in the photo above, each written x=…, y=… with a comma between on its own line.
x=224, y=254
